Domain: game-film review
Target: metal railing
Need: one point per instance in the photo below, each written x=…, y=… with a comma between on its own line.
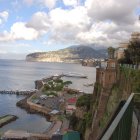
x=120, y=128
x=131, y=66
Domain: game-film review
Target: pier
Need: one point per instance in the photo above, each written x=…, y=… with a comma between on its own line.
x=17, y=92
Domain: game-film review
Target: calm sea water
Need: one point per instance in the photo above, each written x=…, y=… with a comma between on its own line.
x=20, y=75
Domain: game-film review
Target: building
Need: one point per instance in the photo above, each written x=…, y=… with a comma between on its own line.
x=119, y=52
x=106, y=74
x=71, y=105
x=135, y=36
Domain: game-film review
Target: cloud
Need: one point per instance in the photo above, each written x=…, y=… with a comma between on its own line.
x=120, y=11
x=45, y=3
x=3, y=16
x=49, y=3
x=19, y=32
x=106, y=23
x=43, y=25
x=67, y=23
x=70, y=2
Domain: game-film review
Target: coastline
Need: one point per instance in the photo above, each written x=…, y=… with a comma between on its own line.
x=33, y=108
x=55, y=124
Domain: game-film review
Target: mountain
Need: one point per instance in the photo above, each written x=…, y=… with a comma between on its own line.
x=72, y=54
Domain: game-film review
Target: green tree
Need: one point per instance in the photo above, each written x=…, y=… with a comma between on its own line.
x=67, y=83
x=84, y=101
x=111, y=52
x=133, y=52
x=126, y=59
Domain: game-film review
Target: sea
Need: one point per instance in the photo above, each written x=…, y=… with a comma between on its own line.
x=20, y=75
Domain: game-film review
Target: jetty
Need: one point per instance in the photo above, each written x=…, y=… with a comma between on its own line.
x=7, y=119
x=17, y=92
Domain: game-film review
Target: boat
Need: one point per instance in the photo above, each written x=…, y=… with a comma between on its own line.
x=88, y=84
x=72, y=74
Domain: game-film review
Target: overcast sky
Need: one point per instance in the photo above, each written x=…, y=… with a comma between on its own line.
x=42, y=25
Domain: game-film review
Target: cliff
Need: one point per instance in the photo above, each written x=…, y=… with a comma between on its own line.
x=112, y=86
x=73, y=54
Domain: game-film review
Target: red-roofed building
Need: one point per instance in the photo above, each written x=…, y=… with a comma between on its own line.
x=71, y=105
x=72, y=101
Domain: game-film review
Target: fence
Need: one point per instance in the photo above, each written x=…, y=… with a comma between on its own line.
x=120, y=128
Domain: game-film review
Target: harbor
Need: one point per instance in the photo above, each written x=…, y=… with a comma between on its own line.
x=45, y=106
x=36, y=103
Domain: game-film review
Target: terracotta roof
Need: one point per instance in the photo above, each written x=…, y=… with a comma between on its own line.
x=72, y=100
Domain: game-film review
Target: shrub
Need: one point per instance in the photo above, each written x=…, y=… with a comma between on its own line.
x=67, y=83
x=51, y=93
x=58, y=81
x=58, y=87
x=84, y=101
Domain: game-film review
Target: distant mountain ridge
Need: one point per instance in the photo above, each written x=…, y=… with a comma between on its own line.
x=72, y=54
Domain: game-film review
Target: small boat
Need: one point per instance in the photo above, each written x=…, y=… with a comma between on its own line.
x=78, y=75
x=88, y=84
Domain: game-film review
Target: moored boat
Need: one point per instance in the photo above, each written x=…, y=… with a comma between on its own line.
x=78, y=75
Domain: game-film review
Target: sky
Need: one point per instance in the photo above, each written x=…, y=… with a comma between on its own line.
x=28, y=26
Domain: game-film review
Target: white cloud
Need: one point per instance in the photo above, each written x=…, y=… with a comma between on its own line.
x=41, y=3
x=120, y=11
x=3, y=16
x=43, y=25
x=67, y=23
x=49, y=3
x=19, y=32
x=81, y=25
x=95, y=21
x=70, y=2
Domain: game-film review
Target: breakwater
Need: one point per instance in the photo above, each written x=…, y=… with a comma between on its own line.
x=17, y=92
x=7, y=119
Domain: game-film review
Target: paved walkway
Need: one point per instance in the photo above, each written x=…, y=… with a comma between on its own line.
x=55, y=129
x=24, y=134
x=65, y=126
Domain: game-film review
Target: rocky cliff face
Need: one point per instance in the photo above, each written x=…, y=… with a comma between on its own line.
x=70, y=55
x=104, y=101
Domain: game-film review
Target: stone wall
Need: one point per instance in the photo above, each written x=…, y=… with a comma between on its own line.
x=106, y=77
x=37, y=108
